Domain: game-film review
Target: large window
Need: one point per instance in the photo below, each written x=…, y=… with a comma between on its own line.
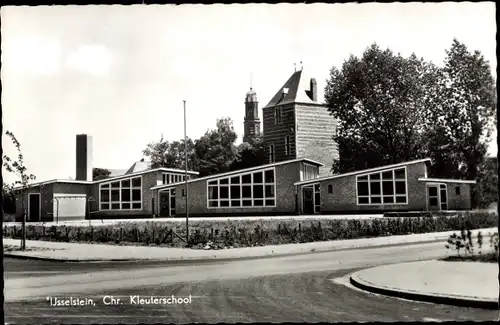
x=169, y=178
x=385, y=187
x=308, y=171
x=254, y=189
x=124, y=194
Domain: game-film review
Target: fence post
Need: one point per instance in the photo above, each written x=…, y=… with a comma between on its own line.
x=121, y=234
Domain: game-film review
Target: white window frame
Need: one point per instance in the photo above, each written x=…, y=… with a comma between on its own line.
x=241, y=199
x=120, y=202
x=278, y=115
x=170, y=178
x=380, y=181
x=439, y=197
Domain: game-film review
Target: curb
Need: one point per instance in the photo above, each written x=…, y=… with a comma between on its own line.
x=213, y=259
x=461, y=301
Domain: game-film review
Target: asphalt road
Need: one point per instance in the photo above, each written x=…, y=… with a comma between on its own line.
x=293, y=288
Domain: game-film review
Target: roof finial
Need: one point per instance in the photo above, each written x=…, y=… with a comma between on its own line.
x=301, y=66
x=251, y=79
x=294, y=67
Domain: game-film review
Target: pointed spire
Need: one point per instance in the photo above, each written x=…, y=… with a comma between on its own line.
x=251, y=80
x=301, y=66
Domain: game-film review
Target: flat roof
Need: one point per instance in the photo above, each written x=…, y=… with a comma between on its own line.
x=444, y=180
x=72, y=181
x=307, y=160
x=314, y=180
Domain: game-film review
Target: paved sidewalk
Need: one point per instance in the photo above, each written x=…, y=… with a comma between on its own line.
x=100, y=252
x=471, y=284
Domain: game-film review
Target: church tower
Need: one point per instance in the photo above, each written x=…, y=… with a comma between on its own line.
x=252, y=121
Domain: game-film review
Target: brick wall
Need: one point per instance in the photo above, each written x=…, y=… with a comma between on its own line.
x=286, y=176
x=344, y=199
x=314, y=131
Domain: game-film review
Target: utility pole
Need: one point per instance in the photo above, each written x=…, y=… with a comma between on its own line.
x=186, y=176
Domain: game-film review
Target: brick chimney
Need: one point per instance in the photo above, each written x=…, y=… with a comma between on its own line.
x=314, y=90
x=83, y=157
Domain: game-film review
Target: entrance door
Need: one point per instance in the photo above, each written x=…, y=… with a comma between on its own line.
x=34, y=207
x=437, y=197
x=164, y=209
x=308, y=200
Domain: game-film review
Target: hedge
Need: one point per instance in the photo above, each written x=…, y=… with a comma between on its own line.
x=245, y=233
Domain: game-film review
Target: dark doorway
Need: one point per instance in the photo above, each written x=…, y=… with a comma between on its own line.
x=165, y=204
x=308, y=200
x=34, y=207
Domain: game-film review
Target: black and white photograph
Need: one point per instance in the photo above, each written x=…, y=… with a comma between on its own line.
x=249, y=163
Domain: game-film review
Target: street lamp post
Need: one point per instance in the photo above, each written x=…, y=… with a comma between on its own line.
x=186, y=176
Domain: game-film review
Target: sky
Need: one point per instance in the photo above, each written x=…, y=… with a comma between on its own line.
x=121, y=73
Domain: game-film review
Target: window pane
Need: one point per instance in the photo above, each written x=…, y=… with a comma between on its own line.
x=115, y=195
x=258, y=203
x=269, y=176
x=125, y=195
x=125, y=205
x=387, y=187
x=136, y=181
x=224, y=192
x=246, y=191
x=400, y=199
x=136, y=206
x=269, y=191
x=213, y=204
x=442, y=186
x=213, y=192
x=362, y=200
x=387, y=175
x=115, y=184
x=400, y=187
x=257, y=177
x=235, y=192
x=376, y=199
x=330, y=189
x=433, y=201
x=136, y=195
x=115, y=206
x=443, y=195
x=235, y=180
x=457, y=190
x=105, y=206
x=375, y=176
x=224, y=203
x=247, y=203
x=104, y=195
x=126, y=183
x=269, y=202
x=235, y=203
x=105, y=185
x=224, y=181
x=317, y=209
x=316, y=188
x=246, y=179
x=362, y=178
x=375, y=188
x=362, y=188
x=212, y=183
x=258, y=191
x=433, y=191
x=388, y=199
x=400, y=173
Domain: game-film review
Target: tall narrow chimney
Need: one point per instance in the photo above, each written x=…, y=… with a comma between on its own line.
x=314, y=90
x=83, y=157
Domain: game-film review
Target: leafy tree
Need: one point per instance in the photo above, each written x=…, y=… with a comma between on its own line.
x=171, y=154
x=19, y=188
x=215, y=149
x=249, y=155
x=487, y=182
x=100, y=173
x=382, y=103
x=465, y=114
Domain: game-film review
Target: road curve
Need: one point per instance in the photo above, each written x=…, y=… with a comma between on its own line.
x=292, y=288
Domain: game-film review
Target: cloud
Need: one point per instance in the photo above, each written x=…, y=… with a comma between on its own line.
x=92, y=59
x=31, y=54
